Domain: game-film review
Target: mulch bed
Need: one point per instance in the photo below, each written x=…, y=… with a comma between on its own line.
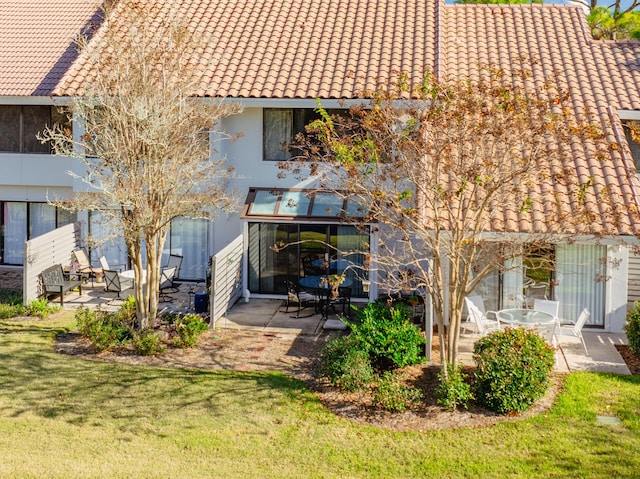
x=630, y=358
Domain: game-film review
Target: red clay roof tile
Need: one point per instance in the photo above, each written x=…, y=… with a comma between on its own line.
x=343, y=48
x=37, y=42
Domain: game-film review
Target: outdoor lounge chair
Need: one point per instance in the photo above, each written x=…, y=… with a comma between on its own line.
x=84, y=265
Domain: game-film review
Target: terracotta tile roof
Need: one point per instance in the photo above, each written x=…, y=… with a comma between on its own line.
x=602, y=77
x=301, y=49
x=341, y=48
x=36, y=42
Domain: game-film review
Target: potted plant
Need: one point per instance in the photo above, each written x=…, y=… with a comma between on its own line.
x=334, y=281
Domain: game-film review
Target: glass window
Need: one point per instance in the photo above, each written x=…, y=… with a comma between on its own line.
x=190, y=239
x=580, y=281
x=9, y=128
x=302, y=248
x=34, y=121
x=294, y=203
x=264, y=203
x=327, y=204
x=280, y=126
x=15, y=232
x=21, y=125
x=65, y=217
x=277, y=133
x=106, y=240
x=42, y=219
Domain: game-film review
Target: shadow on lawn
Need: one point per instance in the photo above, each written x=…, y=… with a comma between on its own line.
x=36, y=380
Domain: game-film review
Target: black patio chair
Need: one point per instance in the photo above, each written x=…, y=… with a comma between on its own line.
x=301, y=299
x=167, y=276
x=114, y=283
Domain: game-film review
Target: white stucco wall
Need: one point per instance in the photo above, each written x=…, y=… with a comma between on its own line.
x=616, y=289
x=34, y=170
x=245, y=156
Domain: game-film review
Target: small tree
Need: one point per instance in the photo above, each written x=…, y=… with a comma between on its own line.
x=146, y=143
x=448, y=174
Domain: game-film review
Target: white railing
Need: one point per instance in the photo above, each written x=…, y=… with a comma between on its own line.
x=226, y=279
x=51, y=248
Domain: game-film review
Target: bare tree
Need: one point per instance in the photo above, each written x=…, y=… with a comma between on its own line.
x=459, y=178
x=147, y=142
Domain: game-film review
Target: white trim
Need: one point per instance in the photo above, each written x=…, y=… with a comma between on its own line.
x=289, y=102
x=629, y=114
x=27, y=100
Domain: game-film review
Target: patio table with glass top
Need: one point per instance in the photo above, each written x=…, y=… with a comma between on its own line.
x=318, y=284
x=527, y=318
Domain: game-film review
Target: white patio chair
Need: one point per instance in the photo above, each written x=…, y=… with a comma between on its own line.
x=480, y=318
x=574, y=329
x=536, y=291
x=104, y=263
x=547, y=306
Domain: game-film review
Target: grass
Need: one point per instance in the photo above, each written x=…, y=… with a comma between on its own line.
x=62, y=416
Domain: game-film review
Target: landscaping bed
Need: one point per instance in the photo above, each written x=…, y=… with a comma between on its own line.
x=295, y=355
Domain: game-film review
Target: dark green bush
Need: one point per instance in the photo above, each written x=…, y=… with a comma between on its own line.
x=512, y=369
x=148, y=343
x=189, y=328
x=388, y=336
x=391, y=394
x=345, y=364
x=104, y=330
x=453, y=391
x=632, y=328
x=10, y=296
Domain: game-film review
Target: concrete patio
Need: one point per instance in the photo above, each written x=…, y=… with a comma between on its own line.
x=268, y=315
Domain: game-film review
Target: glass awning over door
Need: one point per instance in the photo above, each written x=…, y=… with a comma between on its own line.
x=299, y=204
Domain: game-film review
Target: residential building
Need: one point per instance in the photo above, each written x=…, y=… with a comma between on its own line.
x=276, y=57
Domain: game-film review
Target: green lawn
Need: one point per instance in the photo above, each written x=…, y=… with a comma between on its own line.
x=66, y=417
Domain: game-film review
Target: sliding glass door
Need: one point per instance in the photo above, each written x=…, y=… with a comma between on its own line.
x=286, y=252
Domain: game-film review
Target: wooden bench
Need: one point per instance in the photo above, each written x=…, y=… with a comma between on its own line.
x=54, y=282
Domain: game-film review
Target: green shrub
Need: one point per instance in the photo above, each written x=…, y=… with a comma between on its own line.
x=41, y=308
x=127, y=312
x=345, y=364
x=512, y=369
x=391, y=394
x=148, y=343
x=189, y=328
x=11, y=310
x=453, y=391
x=632, y=328
x=104, y=330
x=388, y=336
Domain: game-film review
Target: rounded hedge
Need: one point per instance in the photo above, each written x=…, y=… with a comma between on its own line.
x=632, y=328
x=512, y=369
